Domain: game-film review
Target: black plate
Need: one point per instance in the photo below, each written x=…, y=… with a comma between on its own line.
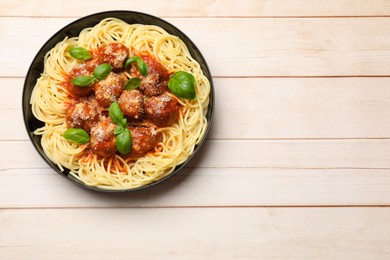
x=74, y=29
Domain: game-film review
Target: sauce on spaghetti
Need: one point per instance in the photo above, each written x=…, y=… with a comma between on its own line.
x=146, y=108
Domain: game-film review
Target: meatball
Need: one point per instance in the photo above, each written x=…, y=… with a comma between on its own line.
x=144, y=140
x=78, y=91
x=115, y=54
x=156, y=82
x=109, y=89
x=83, y=114
x=103, y=139
x=162, y=110
x=132, y=104
x=85, y=69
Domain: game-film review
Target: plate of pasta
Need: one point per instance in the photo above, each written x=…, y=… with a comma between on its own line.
x=118, y=101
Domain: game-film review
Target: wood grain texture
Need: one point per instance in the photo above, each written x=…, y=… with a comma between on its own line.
x=202, y=8
x=251, y=47
x=248, y=233
x=205, y=187
x=225, y=173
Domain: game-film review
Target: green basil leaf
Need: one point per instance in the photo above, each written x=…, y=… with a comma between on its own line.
x=182, y=84
x=142, y=67
x=102, y=71
x=80, y=53
x=132, y=83
x=124, y=122
x=119, y=129
x=131, y=60
x=116, y=114
x=82, y=81
x=76, y=135
x=123, y=141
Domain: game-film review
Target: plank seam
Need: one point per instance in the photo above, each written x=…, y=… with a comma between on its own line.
x=198, y=207
x=223, y=16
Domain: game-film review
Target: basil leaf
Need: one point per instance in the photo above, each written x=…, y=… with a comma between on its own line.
x=76, y=135
x=80, y=53
x=102, y=71
x=123, y=141
x=124, y=122
x=182, y=84
x=119, y=129
x=132, y=83
x=116, y=114
x=142, y=66
x=131, y=60
x=82, y=81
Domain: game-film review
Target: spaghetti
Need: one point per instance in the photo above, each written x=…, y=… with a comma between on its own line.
x=50, y=100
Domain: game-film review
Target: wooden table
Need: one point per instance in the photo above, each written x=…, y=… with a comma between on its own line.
x=297, y=163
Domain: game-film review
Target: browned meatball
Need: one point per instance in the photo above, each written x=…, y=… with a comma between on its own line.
x=109, y=89
x=82, y=69
x=103, y=139
x=77, y=91
x=115, y=54
x=132, y=104
x=144, y=140
x=85, y=68
x=83, y=114
x=162, y=110
x=156, y=82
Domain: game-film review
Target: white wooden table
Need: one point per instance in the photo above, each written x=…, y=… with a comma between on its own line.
x=297, y=163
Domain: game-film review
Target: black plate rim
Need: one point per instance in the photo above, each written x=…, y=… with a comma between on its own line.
x=114, y=13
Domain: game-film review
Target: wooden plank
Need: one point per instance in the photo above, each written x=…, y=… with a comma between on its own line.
x=301, y=108
x=201, y=8
x=248, y=233
x=251, y=47
x=205, y=187
x=11, y=103
x=297, y=154
x=265, y=108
